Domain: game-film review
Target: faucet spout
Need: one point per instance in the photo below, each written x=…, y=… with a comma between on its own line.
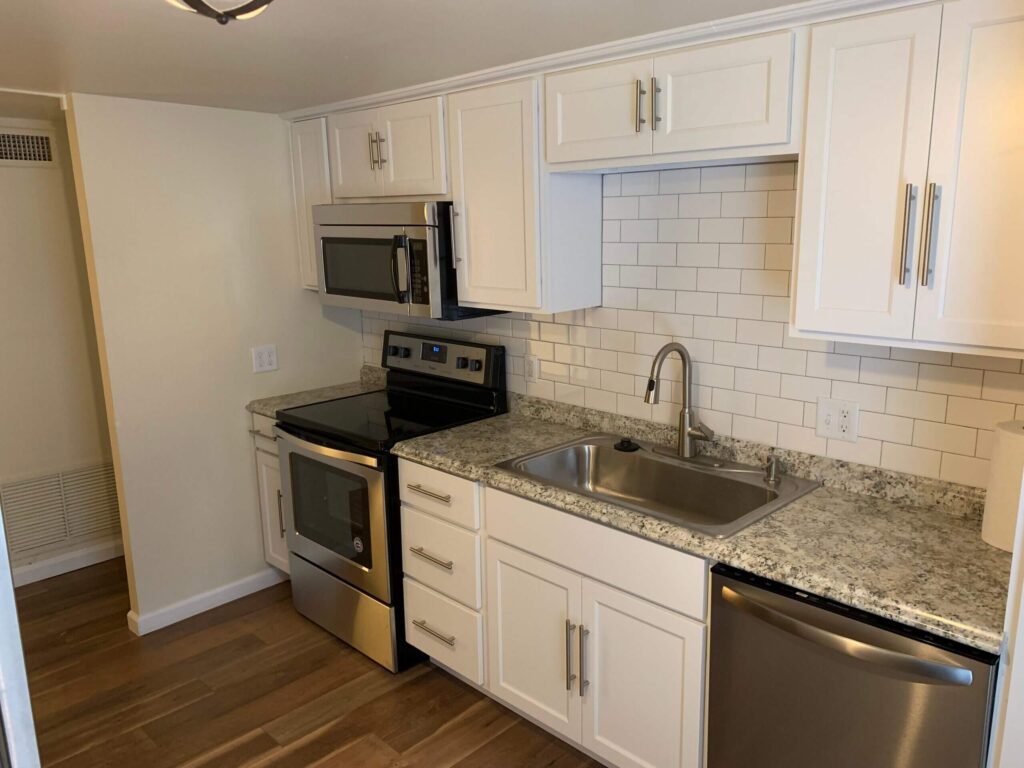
x=690, y=429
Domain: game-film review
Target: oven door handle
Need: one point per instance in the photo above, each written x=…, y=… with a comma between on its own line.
x=328, y=453
x=400, y=243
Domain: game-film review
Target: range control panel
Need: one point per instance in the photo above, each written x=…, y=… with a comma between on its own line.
x=482, y=364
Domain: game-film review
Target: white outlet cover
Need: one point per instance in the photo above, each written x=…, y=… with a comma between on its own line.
x=264, y=358
x=838, y=419
x=532, y=368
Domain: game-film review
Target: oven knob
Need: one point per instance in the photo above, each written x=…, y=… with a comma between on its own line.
x=476, y=365
x=392, y=351
x=462, y=362
x=404, y=352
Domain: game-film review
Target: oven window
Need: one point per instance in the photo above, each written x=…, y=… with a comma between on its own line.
x=332, y=508
x=359, y=266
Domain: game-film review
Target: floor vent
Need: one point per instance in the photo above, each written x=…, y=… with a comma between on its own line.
x=26, y=147
x=59, y=512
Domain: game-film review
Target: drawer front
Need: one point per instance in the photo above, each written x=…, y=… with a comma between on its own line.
x=442, y=556
x=444, y=630
x=657, y=573
x=452, y=498
x=263, y=433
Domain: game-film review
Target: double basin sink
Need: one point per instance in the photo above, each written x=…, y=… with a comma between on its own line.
x=711, y=496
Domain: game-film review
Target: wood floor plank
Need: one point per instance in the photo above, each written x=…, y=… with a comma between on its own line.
x=526, y=746
x=368, y=752
x=238, y=752
x=457, y=739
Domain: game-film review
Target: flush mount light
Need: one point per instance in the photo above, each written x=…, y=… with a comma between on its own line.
x=244, y=11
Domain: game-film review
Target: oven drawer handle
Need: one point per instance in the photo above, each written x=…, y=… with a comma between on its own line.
x=448, y=640
x=259, y=433
x=442, y=497
x=448, y=565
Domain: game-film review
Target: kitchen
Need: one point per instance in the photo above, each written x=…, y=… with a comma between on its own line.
x=700, y=343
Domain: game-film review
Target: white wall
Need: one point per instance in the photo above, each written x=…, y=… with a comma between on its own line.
x=191, y=246
x=52, y=406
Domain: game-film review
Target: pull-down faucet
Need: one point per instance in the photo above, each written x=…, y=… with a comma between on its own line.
x=689, y=428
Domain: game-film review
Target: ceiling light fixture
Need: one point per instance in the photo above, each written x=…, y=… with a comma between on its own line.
x=244, y=11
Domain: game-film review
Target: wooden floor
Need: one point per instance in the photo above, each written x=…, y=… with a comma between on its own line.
x=251, y=683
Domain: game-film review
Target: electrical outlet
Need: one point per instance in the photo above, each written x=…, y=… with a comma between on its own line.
x=838, y=419
x=532, y=369
x=264, y=358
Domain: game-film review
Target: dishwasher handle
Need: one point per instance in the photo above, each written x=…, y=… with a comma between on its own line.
x=920, y=669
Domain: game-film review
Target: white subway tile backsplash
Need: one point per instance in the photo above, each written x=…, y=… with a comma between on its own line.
x=745, y=204
x=767, y=230
x=639, y=231
x=659, y=207
x=759, y=332
x=864, y=451
x=778, y=256
x=740, y=305
x=697, y=254
x=619, y=253
x=780, y=409
x=610, y=231
x=610, y=274
x=741, y=355
x=831, y=366
x=880, y=426
x=945, y=380
x=916, y=405
x=946, y=437
x=1005, y=387
x=602, y=317
x=700, y=206
x=717, y=328
x=720, y=231
x=868, y=396
x=732, y=401
x=697, y=302
x=621, y=207
x=673, y=324
x=1004, y=364
x=782, y=360
x=655, y=300
x=758, y=430
x=676, y=278
x=888, y=373
x=776, y=308
x=765, y=282
x=723, y=178
x=638, y=277
x=619, y=298
x=741, y=256
x=712, y=280
x=982, y=414
x=681, y=181
x=643, y=183
x=636, y=321
x=805, y=388
x=612, y=184
x=656, y=254
x=771, y=176
x=804, y=439
x=678, y=230
x=619, y=341
x=758, y=382
x=964, y=469
x=916, y=461
x=781, y=202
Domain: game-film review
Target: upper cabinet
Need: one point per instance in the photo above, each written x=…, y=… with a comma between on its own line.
x=725, y=96
x=394, y=150
x=311, y=185
x=525, y=240
x=909, y=228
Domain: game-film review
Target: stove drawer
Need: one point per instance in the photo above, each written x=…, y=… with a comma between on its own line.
x=442, y=556
x=444, y=630
x=453, y=498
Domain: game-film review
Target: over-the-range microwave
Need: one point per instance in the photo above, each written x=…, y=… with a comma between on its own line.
x=389, y=257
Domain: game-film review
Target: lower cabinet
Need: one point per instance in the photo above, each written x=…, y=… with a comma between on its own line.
x=275, y=538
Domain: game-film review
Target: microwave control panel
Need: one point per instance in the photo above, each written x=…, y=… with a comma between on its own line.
x=419, y=277
x=468, y=361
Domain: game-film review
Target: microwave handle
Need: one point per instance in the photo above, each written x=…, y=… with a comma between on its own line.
x=400, y=243
x=452, y=213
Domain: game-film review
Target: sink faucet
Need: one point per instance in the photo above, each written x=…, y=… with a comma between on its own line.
x=690, y=429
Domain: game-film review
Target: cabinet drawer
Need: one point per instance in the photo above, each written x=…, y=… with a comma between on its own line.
x=452, y=498
x=263, y=433
x=446, y=631
x=442, y=556
x=657, y=573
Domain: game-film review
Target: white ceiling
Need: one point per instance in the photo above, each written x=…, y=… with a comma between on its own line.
x=302, y=53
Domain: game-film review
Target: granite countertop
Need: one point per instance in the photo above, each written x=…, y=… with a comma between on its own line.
x=370, y=380
x=918, y=566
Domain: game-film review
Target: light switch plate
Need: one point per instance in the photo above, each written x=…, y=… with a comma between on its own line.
x=838, y=419
x=264, y=358
x=532, y=369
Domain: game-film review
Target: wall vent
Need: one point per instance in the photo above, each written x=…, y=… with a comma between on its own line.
x=59, y=511
x=26, y=147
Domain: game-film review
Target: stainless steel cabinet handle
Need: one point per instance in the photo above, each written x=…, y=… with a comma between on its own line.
x=931, y=206
x=280, y=514
x=420, y=552
x=448, y=640
x=639, y=99
x=417, y=488
x=908, y=220
x=257, y=433
x=569, y=676
x=373, y=160
x=583, y=660
x=380, y=151
x=655, y=90
x=921, y=670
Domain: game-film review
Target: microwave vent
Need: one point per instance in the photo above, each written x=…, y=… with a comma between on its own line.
x=25, y=147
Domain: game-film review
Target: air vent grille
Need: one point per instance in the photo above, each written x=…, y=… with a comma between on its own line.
x=26, y=147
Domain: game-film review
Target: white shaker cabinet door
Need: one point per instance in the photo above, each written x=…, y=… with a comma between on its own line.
x=351, y=144
x=533, y=607
x=412, y=148
x=311, y=180
x=643, y=671
x=598, y=112
x=494, y=164
x=864, y=169
x=275, y=540
x=974, y=290
x=733, y=94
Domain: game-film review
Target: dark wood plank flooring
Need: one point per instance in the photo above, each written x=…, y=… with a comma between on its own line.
x=251, y=683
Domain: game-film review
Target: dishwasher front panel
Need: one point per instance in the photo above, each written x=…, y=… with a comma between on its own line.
x=801, y=682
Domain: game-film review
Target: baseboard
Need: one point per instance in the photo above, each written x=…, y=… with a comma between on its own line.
x=142, y=624
x=67, y=561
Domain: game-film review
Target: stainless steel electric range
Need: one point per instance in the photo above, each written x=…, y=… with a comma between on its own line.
x=340, y=483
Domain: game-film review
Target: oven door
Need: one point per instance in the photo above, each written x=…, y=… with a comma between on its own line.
x=364, y=267
x=334, y=509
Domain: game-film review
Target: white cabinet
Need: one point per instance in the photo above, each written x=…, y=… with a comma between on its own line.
x=525, y=240
x=909, y=220
x=311, y=185
x=393, y=150
x=735, y=94
x=275, y=540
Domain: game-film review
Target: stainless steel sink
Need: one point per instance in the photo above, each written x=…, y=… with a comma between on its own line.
x=711, y=496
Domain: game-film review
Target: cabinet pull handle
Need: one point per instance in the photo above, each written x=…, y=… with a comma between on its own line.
x=908, y=219
x=655, y=90
x=421, y=552
x=417, y=488
x=380, y=150
x=931, y=206
x=583, y=660
x=452, y=214
x=257, y=433
x=639, y=98
x=448, y=640
x=569, y=676
x=280, y=514
x=373, y=160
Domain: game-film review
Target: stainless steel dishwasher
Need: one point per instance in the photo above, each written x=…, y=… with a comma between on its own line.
x=798, y=681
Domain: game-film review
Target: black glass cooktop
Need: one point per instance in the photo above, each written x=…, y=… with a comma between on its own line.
x=378, y=420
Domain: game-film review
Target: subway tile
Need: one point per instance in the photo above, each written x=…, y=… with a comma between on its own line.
x=805, y=388
x=1004, y=364
x=705, y=205
x=756, y=430
x=881, y=426
x=868, y=396
x=771, y=176
x=638, y=365
x=829, y=366
x=864, y=350
x=921, y=356
x=525, y=329
x=584, y=377
x=796, y=438
x=810, y=414
x=639, y=231
x=642, y=183
x=656, y=254
x=618, y=253
x=758, y=382
x=655, y=300
x=600, y=399
x=767, y=230
x=685, y=181
x=745, y=204
x=499, y=325
x=570, y=355
x=742, y=355
x=650, y=343
x=701, y=350
x=778, y=256
x=915, y=461
x=888, y=373
x=765, y=282
x=916, y=405
x=678, y=230
x=696, y=302
x=673, y=324
x=570, y=393
x=983, y=448
x=601, y=317
x=965, y=470
x=720, y=422
x=570, y=317
x=759, y=332
x=982, y=414
x=554, y=371
x=603, y=359
x=610, y=231
x=554, y=332
x=740, y=305
x=620, y=341
x=945, y=380
x=948, y=438
x=717, y=328
x=636, y=321
x=697, y=255
x=638, y=277
x=543, y=388
x=1004, y=387
x=614, y=381
x=711, y=375
x=610, y=275
x=808, y=345
x=782, y=202
x=659, y=207
x=633, y=406
x=731, y=401
x=779, y=409
x=741, y=256
x=720, y=231
x=782, y=360
x=612, y=184
x=723, y=178
x=545, y=350
x=776, y=308
x=619, y=298
x=718, y=280
x=677, y=278
x=621, y=207
x=864, y=451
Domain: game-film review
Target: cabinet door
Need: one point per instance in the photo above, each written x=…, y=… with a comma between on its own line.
x=530, y=647
x=412, y=148
x=869, y=108
x=973, y=295
x=493, y=141
x=275, y=541
x=311, y=182
x=599, y=112
x=645, y=668
x=353, y=153
x=735, y=94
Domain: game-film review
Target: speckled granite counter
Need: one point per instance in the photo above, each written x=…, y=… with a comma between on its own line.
x=919, y=566
x=370, y=379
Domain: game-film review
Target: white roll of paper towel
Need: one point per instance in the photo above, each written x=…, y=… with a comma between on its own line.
x=1002, y=500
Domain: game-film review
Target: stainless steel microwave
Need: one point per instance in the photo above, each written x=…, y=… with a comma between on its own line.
x=389, y=257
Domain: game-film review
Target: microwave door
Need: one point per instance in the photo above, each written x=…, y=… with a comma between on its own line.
x=363, y=267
